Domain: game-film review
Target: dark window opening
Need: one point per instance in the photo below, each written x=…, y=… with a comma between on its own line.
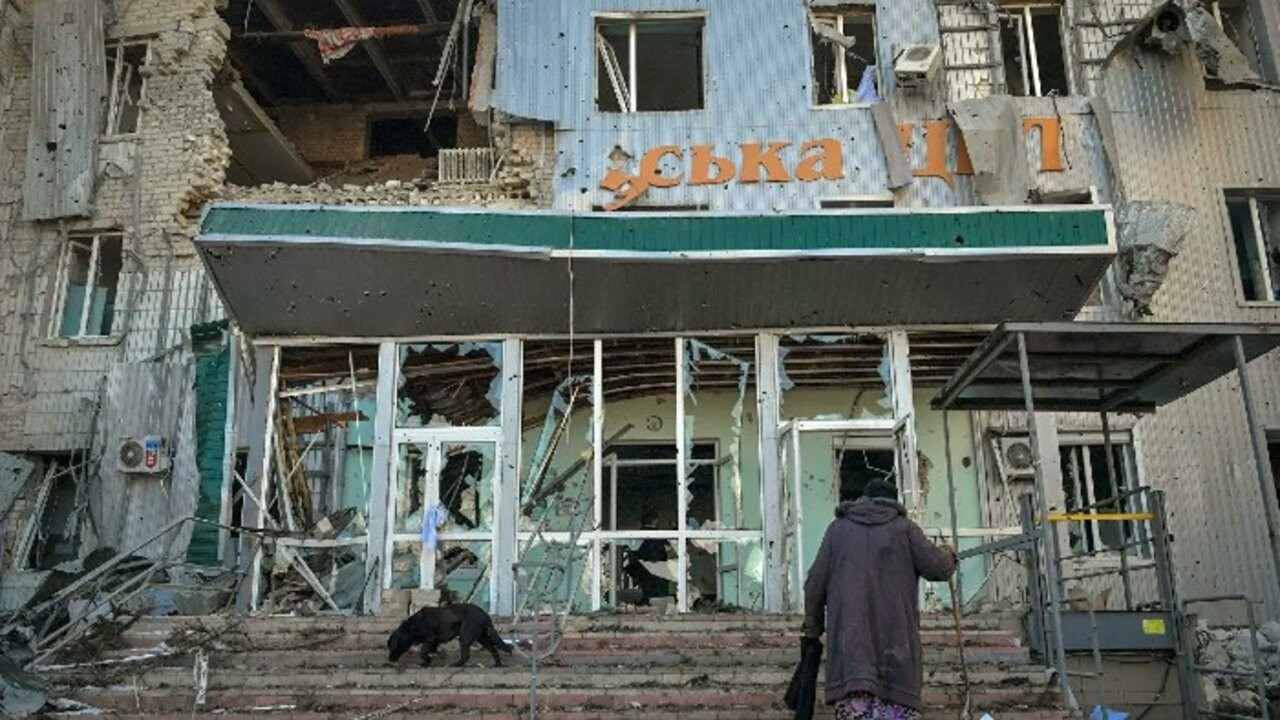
x=1255, y=234
x=668, y=65
x=1032, y=51
x=412, y=136
x=126, y=84
x=844, y=57
x=57, y=536
x=859, y=467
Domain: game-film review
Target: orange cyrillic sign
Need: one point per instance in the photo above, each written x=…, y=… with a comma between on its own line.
x=821, y=159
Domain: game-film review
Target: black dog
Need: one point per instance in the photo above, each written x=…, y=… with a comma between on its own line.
x=433, y=627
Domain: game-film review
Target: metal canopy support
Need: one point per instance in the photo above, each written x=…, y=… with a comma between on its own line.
x=508, y=505
x=1049, y=537
x=767, y=410
x=1266, y=483
x=376, y=551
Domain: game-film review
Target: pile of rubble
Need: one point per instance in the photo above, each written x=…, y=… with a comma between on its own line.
x=1230, y=651
x=392, y=192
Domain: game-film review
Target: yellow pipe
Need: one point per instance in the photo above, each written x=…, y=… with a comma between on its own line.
x=1099, y=517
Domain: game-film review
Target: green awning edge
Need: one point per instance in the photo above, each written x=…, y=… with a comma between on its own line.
x=1082, y=228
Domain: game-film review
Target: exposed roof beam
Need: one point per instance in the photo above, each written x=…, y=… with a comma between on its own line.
x=245, y=70
x=373, y=48
x=307, y=55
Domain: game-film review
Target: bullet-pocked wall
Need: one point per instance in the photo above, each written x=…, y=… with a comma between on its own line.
x=743, y=143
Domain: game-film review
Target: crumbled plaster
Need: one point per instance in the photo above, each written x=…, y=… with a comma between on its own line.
x=1150, y=235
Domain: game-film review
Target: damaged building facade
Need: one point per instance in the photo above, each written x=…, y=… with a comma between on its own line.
x=603, y=303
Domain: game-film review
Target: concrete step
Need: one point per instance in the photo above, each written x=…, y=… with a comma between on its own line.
x=479, y=677
x=355, y=701
x=937, y=656
x=338, y=638
x=730, y=713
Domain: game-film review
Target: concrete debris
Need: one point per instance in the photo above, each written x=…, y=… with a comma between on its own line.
x=1150, y=235
x=24, y=693
x=1221, y=58
x=991, y=130
x=1228, y=652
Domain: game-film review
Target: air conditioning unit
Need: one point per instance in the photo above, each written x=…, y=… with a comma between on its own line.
x=1014, y=457
x=915, y=65
x=148, y=455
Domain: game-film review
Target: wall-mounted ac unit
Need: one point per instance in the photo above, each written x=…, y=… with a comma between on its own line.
x=915, y=65
x=1014, y=457
x=147, y=455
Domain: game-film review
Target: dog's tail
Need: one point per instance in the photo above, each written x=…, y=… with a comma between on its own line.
x=497, y=640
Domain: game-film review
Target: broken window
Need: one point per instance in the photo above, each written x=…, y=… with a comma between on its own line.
x=449, y=385
x=412, y=136
x=1255, y=230
x=87, y=285
x=1088, y=487
x=835, y=377
x=649, y=63
x=861, y=460
x=1033, y=53
x=1237, y=23
x=52, y=533
x=126, y=88
x=844, y=56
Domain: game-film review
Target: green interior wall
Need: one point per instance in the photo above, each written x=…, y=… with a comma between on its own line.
x=212, y=375
x=710, y=419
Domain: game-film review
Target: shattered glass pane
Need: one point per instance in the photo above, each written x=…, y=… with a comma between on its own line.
x=726, y=575
x=640, y=572
x=556, y=448
x=861, y=465
x=449, y=385
x=724, y=469
x=552, y=573
x=410, y=488
x=462, y=571
x=467, y=479
x=405, y=566
x=835, y=377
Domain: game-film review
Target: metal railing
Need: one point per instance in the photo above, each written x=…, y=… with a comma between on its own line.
x=466, y=166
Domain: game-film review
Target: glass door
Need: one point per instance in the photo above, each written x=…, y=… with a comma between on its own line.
x=442, y=505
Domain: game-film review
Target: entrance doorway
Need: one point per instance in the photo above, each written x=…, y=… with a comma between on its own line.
x=442, y=506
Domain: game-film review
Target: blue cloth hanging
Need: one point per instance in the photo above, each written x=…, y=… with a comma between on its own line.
x=432, y=519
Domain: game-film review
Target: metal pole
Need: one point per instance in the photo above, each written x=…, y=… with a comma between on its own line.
x=1188, y=681
x=1266, y=483
x=1124, y=525
x=958, y=600
x=1050, y=550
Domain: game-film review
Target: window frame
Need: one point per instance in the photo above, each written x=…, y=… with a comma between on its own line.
x=115, y=50
x=1253, y=55
x=1130, y=478
x=1270, y=286
x=838, y=14
x=633, y=19
x=62, y=285
x=1027, y=42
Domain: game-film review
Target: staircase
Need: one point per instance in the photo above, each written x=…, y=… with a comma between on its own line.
x=693, y=667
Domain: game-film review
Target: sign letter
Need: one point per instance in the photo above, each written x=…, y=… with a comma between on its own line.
x=753, y=159
x=651, y=167
x=708, y=169
x=825, y=164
